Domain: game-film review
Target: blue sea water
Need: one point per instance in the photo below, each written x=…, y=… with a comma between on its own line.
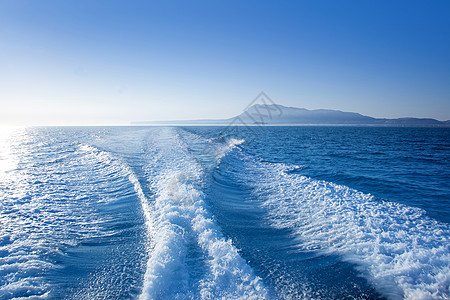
x=224, y=212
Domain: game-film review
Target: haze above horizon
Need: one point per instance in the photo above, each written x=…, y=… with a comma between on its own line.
x=97, y=62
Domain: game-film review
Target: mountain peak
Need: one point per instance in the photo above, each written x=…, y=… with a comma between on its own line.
x=284, y=115
x=275, y=114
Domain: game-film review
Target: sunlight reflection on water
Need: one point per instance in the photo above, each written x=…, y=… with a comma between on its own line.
x=8, y=137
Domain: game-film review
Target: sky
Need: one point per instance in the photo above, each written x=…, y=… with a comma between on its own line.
x=90, y=62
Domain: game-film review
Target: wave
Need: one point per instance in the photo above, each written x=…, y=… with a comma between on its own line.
x=398, y=249
x=49, y=208
x=235, y=142
x=189, y=256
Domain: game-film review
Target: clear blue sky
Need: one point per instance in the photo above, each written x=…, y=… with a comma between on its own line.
x=112, y=62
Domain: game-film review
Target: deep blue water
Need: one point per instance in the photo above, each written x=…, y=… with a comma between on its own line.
x=218, y=212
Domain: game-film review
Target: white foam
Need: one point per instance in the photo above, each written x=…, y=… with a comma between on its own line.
x=235, y=142
x=403, y=253
x=38, y=221
x=179, y=217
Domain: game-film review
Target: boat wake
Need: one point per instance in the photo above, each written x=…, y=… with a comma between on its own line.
x=165, y=213
x=403, y=253
x=189, y=256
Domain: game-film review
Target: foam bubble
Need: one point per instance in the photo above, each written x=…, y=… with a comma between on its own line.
x=401, y=251
x=235, y=142
x=181, y=222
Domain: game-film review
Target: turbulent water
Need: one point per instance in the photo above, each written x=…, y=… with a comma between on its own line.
x=224, y=213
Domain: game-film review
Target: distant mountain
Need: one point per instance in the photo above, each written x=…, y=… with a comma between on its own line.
x=278, y=114
x=281, y=115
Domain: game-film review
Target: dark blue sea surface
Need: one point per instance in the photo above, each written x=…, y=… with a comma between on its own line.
x=404, y=165
x=225, y=212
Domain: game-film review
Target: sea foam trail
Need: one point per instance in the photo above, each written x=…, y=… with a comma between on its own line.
x=47, y=207
x=184, y=233
x=403, y=253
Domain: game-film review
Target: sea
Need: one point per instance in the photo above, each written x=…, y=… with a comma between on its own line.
x=237, y=212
